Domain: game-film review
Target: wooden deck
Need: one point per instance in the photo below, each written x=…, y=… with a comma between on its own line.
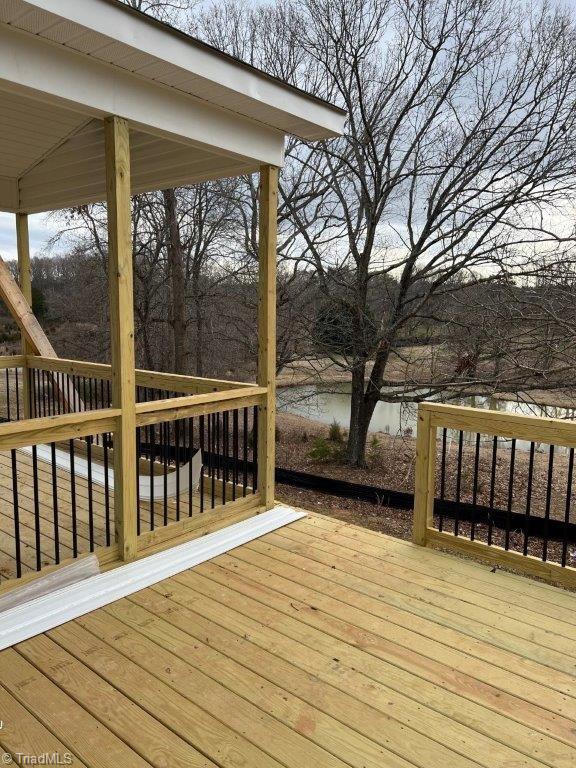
x=321, y=644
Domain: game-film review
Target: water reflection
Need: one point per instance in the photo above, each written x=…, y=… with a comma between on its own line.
x=397, y=418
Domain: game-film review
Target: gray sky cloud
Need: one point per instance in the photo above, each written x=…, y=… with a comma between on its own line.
x=41, y=230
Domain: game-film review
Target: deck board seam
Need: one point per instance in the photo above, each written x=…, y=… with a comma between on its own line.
x=337, y=611
x=417, y=700
x=409, y=728
x=312, y=549
x=514, y=582
x=523, y=626
x=462, y=565
x=379, y=659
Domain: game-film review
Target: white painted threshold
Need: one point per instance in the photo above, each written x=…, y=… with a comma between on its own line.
x=62, y=605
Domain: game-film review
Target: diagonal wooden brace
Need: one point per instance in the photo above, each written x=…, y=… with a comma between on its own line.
x=28, y=323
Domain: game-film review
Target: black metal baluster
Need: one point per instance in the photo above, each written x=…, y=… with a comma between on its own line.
x=86, y=394
x=190, y=454
x=15, y=503
x=202, y=455
x=492, y=488
x=217, y=446
x=548, y=503
x=17, y=395
x=36, y=506
x=234, y=452
x=255, y=450
x=568, y=506
x=165, y=431
x=69, y=405
x=152, y=455
x=59, y=379
x=138, y=455
x=105, y=444
x=73, y=500
x=31, y=405
x=458, y=483
x=177, y=441
x=510, y=494
x=245, y=452
x=7, y=376
x=475, y=488
x=225, y=426
x=42, y=393
x=528, y=498
x=442, y=479
x=213, y=461
x=90, y=496
x=55, y=504
x=36, y=391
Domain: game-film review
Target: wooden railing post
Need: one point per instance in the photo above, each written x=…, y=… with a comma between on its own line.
x=25, y=282
x=117, y=142
x=424, y=485
x=267, y=331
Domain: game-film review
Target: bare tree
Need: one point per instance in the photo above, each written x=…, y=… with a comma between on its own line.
x=456, y=167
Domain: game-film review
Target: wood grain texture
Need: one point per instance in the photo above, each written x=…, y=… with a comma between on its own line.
x=267, y=243
x=120, y=282
x=318, y=644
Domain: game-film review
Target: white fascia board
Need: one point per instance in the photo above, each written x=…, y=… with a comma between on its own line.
x=209, y=66
x=53, y=74
x=44, y=613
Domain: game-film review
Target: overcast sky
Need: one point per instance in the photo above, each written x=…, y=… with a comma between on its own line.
x=41, y=230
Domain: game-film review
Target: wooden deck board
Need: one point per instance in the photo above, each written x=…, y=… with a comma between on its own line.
x=319, y=644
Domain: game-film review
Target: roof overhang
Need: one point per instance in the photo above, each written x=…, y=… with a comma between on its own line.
x=195, y=113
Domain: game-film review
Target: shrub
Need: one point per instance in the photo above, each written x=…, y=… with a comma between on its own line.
x=335, y=434
x=325, y=450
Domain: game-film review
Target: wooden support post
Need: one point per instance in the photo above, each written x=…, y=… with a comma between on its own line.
x=117, y=143
x=267, y=332
x=25, y=282
x=425, y=474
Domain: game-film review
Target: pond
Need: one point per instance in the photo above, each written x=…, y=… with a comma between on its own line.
x=392, y=418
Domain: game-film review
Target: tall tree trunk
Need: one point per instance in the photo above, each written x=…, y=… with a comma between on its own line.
x=364, y=399
x=199, y=339
x=177, y=282
x=358, y=428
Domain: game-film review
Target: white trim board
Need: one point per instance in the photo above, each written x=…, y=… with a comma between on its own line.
x=70, y=602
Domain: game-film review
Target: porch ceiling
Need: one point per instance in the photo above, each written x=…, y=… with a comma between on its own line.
x=51, y=158
x=194, y=112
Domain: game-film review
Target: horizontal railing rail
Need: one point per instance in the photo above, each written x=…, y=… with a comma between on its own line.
x=170, y=382
x=497, y=485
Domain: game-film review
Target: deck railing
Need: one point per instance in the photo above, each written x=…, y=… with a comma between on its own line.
x=51, y=508
x=196, y=460
x=12, y=383
x=499, y=486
